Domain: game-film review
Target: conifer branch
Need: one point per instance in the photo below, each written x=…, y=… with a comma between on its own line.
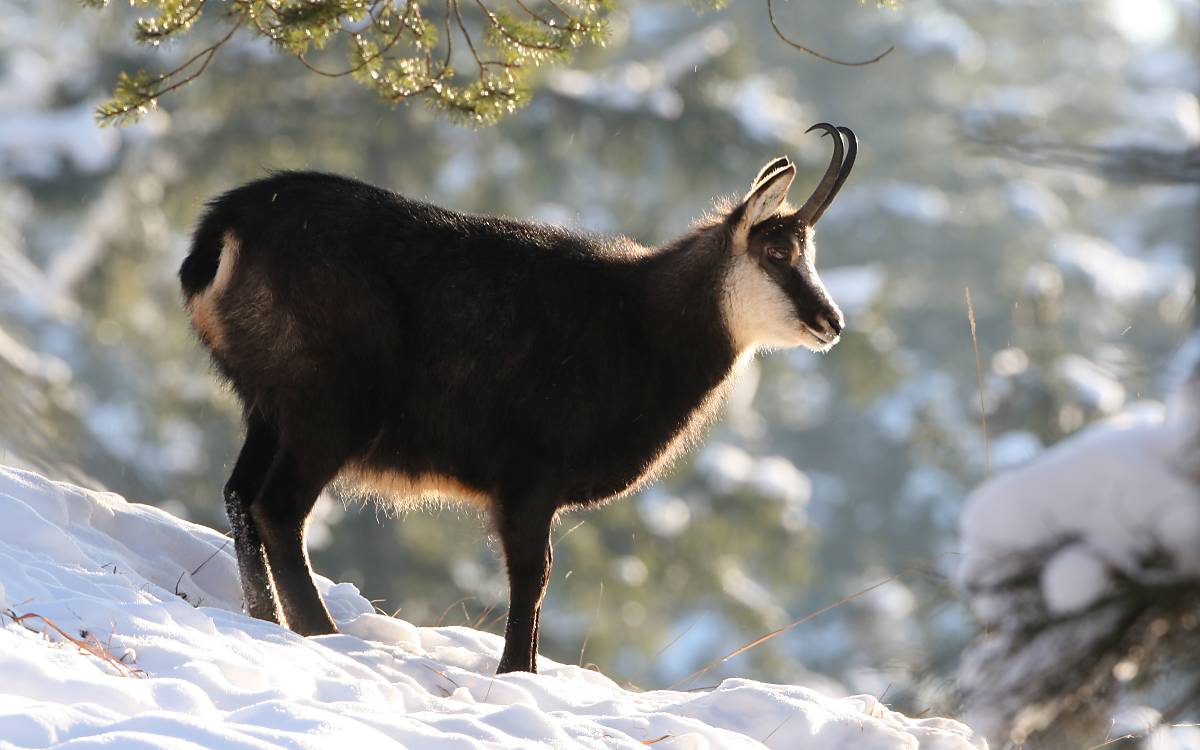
x=391, y=48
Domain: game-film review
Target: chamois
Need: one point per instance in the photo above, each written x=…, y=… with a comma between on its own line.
x=396, y=346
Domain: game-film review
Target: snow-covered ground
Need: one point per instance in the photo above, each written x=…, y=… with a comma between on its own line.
x=173, y=663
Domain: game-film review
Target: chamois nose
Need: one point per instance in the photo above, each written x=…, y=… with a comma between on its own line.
x=834, y=323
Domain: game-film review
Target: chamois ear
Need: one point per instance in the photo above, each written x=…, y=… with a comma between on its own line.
x=761, y=203
x=769, y=168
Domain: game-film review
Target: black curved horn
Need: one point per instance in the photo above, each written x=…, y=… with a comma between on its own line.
x=815, y=205
x=847, y=165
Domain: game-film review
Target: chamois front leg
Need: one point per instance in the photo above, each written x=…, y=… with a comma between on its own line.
x=528, y=557
x=249, y=474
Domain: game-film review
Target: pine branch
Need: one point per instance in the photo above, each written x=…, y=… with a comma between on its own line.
x=136, y=95
x=392, y=48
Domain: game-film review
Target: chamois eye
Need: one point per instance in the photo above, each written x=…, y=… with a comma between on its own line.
x=779, y=252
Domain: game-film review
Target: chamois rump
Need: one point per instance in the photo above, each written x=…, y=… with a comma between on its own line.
x=394, y=345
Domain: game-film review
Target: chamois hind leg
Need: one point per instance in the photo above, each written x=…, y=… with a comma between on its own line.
x=281, y=513
x=249, y=473
x=528, y=557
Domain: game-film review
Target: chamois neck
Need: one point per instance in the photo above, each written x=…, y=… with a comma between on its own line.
x=683, y=296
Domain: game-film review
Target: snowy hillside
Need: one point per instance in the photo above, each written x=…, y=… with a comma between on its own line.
x=170, y=657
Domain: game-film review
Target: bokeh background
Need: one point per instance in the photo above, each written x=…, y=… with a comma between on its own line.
x=994, y=144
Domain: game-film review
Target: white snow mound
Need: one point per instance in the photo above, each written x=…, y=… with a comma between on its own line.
x=189, y=670
x=1107, y=499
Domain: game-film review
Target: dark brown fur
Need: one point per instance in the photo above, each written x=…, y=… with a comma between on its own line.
x=388, y=342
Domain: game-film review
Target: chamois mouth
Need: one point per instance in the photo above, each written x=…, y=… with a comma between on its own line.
x=818, y=341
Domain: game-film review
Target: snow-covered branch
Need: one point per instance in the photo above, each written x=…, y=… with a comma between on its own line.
x=1083, y=568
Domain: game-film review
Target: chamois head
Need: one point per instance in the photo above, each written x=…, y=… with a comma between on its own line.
x=773, y=296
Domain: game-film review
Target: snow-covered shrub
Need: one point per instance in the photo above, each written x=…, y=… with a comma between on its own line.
x=1083, y=569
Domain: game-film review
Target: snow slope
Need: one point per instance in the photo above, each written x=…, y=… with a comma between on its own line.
x=161, y=595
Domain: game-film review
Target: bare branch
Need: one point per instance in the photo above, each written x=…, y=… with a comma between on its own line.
x=809, y=50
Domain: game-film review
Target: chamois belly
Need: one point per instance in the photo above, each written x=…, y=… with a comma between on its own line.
x=397, y=489
x=574, y=464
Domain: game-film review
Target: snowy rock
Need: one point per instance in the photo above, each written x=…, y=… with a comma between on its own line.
x=188, y=669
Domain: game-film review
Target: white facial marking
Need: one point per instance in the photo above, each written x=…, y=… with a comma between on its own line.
x=757, y=312
x=759, y=315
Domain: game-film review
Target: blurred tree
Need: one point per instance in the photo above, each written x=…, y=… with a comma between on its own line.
x=1041, y=677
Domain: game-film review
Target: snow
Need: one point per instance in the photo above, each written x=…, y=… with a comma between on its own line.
x=1163, y=114
x=665, y=515
x=728, y=469
x=939, y=32
x=766, y=113
x=1092, y=386
x=855, y=287
x=777, y=477
x=1074, y=577
x=724, y=467
x=184, y=668
x=1013, y=448
x=1033, y=202
x=1046, y=544
x=1112, y=273
x=646, y=86
x=1174, y=738
x=1145, y=22
x=1113, y=485
x=742, y=588
x=911, y=201
x=33, y=144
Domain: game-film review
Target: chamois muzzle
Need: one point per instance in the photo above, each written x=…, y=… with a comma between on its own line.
x=835, y=174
